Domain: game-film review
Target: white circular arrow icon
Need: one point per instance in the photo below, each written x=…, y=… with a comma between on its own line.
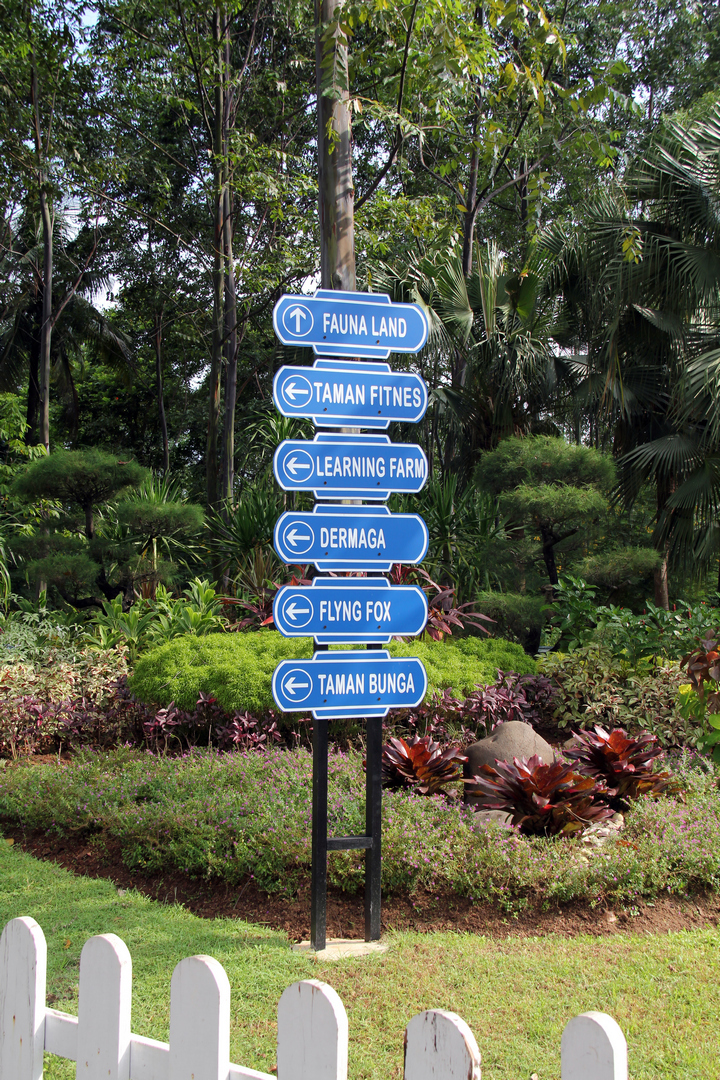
x=298, y=537
x=297, y=685
x=298, y=610
x=297, y=320
x=298, y=465
x=297, y=391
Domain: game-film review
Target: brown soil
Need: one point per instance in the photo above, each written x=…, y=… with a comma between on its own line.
x=345, y=913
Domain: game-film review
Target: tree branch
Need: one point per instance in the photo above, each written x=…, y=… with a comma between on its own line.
x=399, y=138
x=202, y=93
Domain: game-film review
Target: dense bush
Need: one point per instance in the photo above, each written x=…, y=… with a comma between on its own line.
x=113, y=717
x=578, y=620
x=90, y=673
x=593, y=687
x=237, y=668
x=242, y=816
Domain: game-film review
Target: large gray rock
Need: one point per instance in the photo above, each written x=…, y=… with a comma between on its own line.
x=513, y=739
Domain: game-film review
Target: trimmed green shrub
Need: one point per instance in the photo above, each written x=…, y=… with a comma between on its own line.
x=236, y=669
x=518, y=616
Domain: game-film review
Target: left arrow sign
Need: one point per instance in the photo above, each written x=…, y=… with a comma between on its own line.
x=350, y=610
x=356, y=683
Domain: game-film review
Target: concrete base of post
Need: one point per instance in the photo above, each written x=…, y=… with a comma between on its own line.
x=341, y=948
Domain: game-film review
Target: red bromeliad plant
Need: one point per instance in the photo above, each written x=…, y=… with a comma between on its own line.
x=421, y=764
x=625, y=763
x=544, y=800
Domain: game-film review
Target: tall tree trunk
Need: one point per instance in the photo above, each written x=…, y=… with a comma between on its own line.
x=548, y=551
x=46, y=329
x=336, y=200
x=230, y=322
x=32, y=436
x=231, y=356
x=157, y=316
x=469, y=217
x=212, y=472
x=665, y=488
x=662, y=595
x=47, y=284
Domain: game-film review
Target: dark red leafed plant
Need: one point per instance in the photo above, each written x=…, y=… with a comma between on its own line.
x=245, y=732
x=421, y=764
x=703, y=668
x=544, y=800
x=625, y=763
x=443, y=615
x=261, y=607
x=511, y=697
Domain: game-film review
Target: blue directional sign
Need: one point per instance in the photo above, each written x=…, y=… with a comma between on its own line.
x=350, y=538
x=350, y=324
x=350, y=609
x=336, y=684
x=350, y=466
x=335, y=393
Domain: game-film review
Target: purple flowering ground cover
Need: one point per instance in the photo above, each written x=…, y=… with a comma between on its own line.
x=242, y=816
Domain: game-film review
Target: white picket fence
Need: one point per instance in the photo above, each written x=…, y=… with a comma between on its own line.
x=312, y=1038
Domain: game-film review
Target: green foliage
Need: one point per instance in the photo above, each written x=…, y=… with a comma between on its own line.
x=467, y=537
x=578, y=621
x=596, y=688
x=237, y=668
x=620, y=567
x=241, y=539
x=552, y=503
x=109, y=548
x=548, y=489
x=153, y=622
x=83, y=477
x=543, y=460
x=74, y=574
x=154, y=521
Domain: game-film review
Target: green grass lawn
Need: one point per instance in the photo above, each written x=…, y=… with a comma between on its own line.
x=516, y=995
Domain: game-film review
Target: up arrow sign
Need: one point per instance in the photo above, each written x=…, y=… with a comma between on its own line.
x=299, y=315
x=338, y=323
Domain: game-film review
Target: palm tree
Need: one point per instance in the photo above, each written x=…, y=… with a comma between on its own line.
x=78, y=323
x=490, y=361
x=640, y=285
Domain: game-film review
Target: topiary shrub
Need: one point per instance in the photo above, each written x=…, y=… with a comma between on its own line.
x=518, y=616
x=236, y=669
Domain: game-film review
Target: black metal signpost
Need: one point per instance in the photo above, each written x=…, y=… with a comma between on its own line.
x=346, y=535
x=322, y=843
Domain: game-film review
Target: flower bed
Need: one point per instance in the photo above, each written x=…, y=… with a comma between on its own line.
x=236, y=817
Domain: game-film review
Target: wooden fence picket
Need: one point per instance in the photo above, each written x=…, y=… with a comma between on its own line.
x=23, y=967
x=593, y=1048
x=439, y=1045
x=103, y=1039
x=199, y=1020
x=312, y=1040
x=312, y=1033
